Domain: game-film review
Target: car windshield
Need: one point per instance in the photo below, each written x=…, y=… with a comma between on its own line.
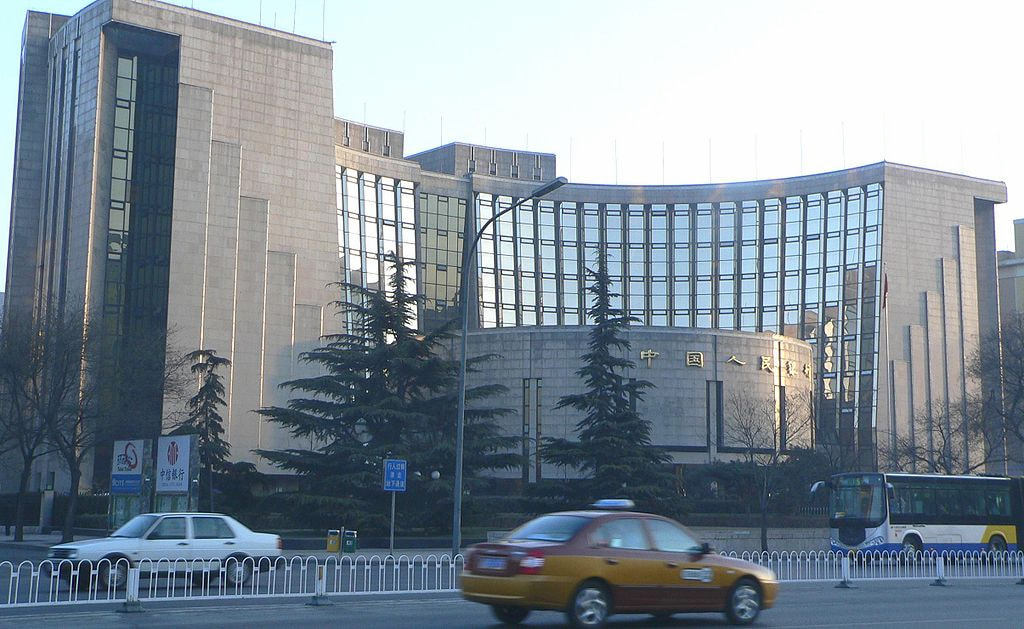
x=135, y=527
x=549, y=528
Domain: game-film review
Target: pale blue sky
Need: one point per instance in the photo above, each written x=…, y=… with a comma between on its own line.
x=660, y=91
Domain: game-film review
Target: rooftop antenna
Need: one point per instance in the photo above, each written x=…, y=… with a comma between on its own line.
x=295, y=10
x=261, y=12
x=663, y=162
x=441, y=129
x=403, y=121
x=885, y=150
x=323, y=21
x=570, y=159
x=709, y=159
x=842, y=130
x=756, y=173
x=801, y=151
x=616, y=155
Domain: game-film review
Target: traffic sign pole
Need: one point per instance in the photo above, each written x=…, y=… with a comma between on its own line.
x=391, y=552
x=394, y=481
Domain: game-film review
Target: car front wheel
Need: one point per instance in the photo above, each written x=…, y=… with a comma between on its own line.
x=113, y=573
x=238, y=570
x=510, y=615
x=744, y=602
x=590, y=606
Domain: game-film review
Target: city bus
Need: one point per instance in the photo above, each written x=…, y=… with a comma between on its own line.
x=914, y=513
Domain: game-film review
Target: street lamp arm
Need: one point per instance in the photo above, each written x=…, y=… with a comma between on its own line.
x=467, y=258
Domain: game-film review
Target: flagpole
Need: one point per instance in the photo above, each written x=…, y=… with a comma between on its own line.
x=889, y=366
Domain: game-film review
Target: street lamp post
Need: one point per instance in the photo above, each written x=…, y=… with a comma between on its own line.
x=467, y=264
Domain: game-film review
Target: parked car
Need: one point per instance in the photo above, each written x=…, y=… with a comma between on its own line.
x=607, y=560
x=212, y=537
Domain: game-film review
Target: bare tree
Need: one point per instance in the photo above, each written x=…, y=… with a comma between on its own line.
x=999, y=365
x=764, y=432
x=64, y=398
x=23, y=434
x=947, y=438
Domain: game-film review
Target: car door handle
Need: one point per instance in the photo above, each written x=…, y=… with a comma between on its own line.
x=229, y=543
x=671, y=564
x=182, y=543
x=612, y=562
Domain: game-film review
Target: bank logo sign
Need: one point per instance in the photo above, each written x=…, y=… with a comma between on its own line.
x=172, y=458
x=126, y=468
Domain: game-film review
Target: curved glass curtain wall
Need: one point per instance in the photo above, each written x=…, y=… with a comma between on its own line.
x=804, y=266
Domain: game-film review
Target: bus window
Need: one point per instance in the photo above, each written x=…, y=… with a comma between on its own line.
x=997, y=502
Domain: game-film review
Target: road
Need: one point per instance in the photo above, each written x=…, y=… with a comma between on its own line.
x=878, y=605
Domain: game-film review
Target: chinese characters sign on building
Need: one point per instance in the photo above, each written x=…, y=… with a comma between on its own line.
x=764, y=363
x=172, y=464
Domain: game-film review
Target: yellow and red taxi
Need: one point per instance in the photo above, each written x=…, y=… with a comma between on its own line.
x=607, y=560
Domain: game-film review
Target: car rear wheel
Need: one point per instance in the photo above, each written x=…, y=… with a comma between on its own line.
x=744, y=602
x=510, y=615
x=590, y=606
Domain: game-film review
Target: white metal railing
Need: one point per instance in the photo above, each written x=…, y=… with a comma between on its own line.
x=53, y=582
x=847, y=567
x=63, y=581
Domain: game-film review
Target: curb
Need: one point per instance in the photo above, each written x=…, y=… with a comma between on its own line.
x=25, y=545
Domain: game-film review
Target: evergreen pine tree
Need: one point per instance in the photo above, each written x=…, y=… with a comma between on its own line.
x=204, y=419
x=385, y=390
x=613, y=450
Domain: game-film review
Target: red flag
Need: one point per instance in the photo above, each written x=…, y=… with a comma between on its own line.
x=885, y=290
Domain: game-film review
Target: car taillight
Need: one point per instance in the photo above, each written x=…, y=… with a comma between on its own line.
x=532, y=562
x=280, y=544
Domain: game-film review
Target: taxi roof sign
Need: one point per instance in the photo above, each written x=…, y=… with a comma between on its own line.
x=614, y=503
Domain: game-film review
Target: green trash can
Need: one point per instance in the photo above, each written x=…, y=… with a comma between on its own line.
x=350, y=543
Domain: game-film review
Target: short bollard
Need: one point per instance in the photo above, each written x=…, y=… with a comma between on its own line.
x=846, y=583
x=319, y=589
x=131, y=596
x=940, y=571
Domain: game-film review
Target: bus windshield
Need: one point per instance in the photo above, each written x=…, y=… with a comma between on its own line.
x=859, y=498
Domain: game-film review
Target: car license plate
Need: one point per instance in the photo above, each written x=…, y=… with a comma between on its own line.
x=492, y=563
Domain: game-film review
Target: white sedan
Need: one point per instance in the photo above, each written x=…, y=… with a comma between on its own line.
x=211, y=537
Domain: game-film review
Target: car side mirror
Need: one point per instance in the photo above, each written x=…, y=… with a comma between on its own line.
x=706, y=549
x=601, y=544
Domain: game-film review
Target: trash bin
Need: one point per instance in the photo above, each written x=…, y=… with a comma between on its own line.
x=350, y=543
x=333, y=540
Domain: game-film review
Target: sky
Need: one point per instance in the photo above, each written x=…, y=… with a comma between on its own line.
x=659, y=91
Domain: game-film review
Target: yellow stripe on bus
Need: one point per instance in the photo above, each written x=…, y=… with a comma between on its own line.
x=1009, y=533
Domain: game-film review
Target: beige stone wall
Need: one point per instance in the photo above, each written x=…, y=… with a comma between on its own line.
x=682, y=404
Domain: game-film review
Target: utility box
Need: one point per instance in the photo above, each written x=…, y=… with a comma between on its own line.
x=333, y=540
x=350, y=543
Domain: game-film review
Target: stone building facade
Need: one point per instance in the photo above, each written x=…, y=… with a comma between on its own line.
x=177, y=171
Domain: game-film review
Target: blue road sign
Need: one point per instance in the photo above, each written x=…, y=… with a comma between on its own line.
x=394, y=474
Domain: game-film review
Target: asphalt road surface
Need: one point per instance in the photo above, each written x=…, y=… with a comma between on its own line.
x=878, y=605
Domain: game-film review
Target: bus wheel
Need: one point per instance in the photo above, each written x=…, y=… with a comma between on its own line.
x=912, y=545
x=996, y=544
